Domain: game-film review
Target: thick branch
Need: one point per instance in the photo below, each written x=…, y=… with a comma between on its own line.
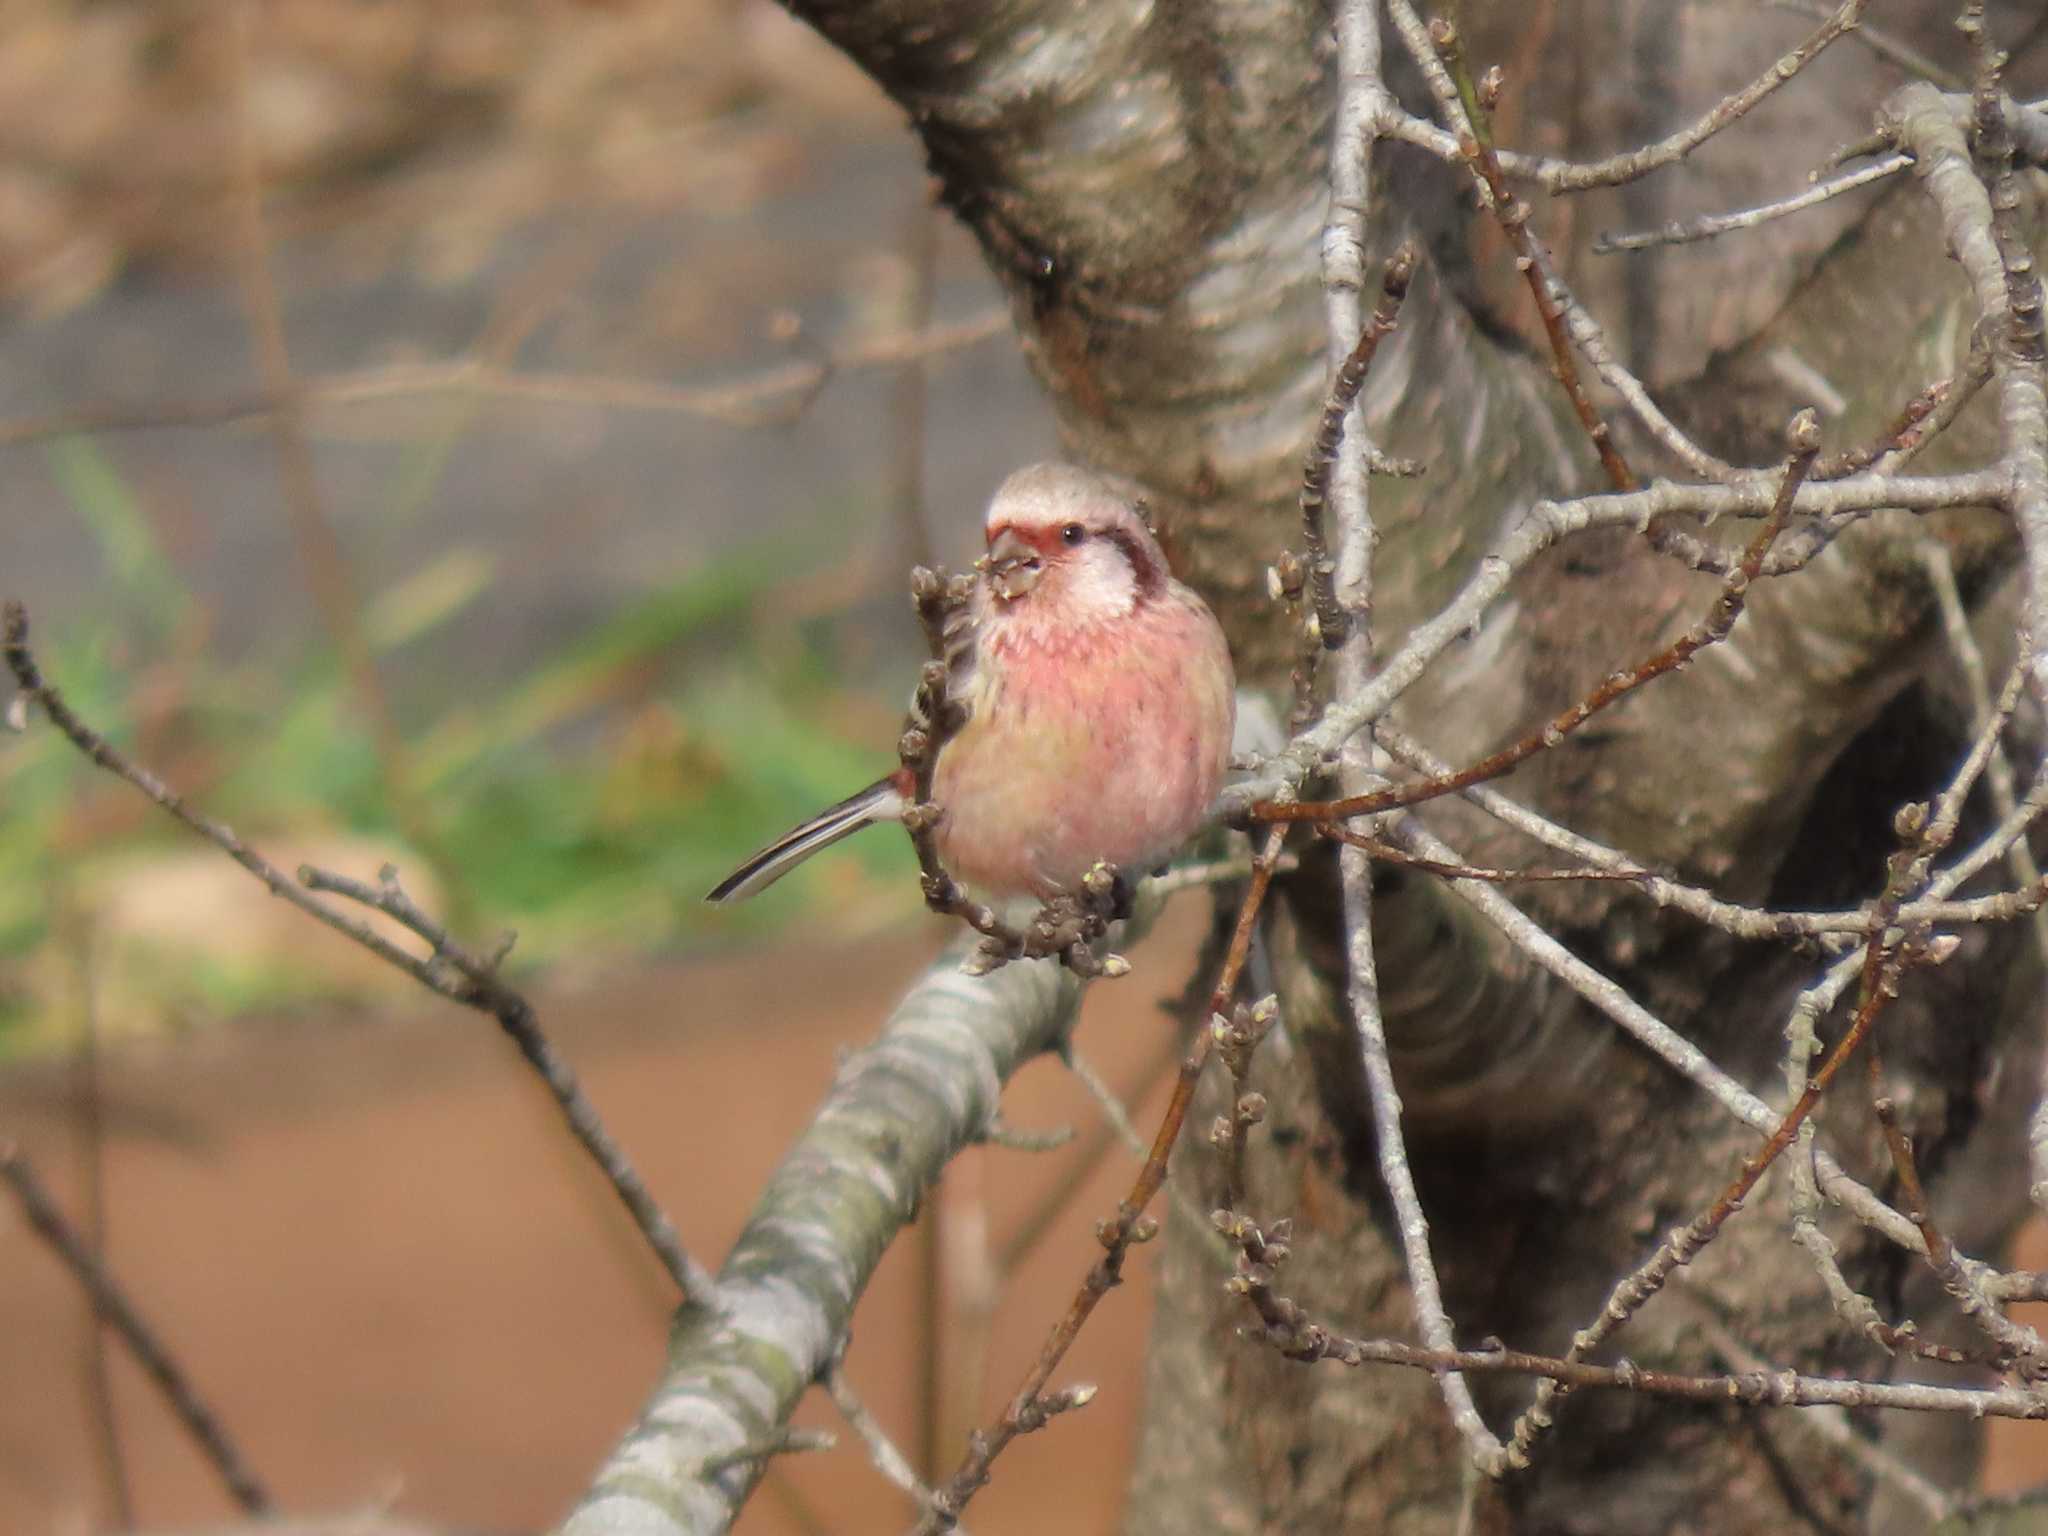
x=897, y=1112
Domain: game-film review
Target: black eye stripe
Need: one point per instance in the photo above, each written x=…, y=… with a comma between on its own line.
x=1151, y=576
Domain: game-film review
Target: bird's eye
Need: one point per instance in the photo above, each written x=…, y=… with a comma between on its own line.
x=1073, y=533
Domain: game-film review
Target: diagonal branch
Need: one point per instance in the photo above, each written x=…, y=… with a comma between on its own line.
x=111, y=1304
x=896, y=1113
x=450, y=970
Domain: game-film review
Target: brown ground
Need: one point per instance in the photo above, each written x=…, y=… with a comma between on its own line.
x=397, y=1281
x=388, y=1269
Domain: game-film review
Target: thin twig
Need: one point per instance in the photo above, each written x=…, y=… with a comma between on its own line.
x=449, y=970
x=1804, y=435
x=1730, y=917
x=2015, y=1341
x=1637, y=163
x=1332, y=621
x=889, y=1460
x=1547, y=523
x=110, y=1303
x=1028, y=1407
x=1835, y=1428
x=786, y=1441
x=1288, y=1329
x=477, y=984
x=1475, y=141
x=1709, y=225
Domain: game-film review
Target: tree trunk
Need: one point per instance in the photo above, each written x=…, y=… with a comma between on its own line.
x=1149, y=182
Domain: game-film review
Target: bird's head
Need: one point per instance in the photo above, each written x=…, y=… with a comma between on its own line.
x=1068, y=544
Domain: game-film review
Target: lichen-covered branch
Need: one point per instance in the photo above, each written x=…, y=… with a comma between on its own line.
x=897, y=1111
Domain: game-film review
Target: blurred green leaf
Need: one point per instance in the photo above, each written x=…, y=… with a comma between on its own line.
x=590, y=805
x=428, y=598
x=104, y=502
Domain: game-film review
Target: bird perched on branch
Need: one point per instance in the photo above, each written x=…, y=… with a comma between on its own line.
x=1098, y=699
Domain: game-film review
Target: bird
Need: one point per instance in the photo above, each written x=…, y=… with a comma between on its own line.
x=1098, y=700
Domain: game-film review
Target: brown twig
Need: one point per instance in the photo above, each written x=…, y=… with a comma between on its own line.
x=1512, y=214
x=1886, y=955
x=1117, y=1234
x=477, y=984
x=110, y=1303
x=1918, y=422
x=1387, y=853
x=2014, y=1342
x=1805, y=438
x=1237, y=1039
x=1285, y=1326
x=450, y=970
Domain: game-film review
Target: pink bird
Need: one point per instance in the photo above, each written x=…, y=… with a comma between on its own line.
x=1099, y=696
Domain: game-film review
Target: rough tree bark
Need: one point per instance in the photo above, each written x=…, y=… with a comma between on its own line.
x=1149, y=182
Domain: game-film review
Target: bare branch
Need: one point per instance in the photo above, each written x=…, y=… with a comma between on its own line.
x=1289, y=1330
x=449, y=970
x=897, y=1111
x=111, y=1305
x=1708, y=226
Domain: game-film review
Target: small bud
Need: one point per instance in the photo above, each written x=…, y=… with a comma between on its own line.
x=1144, y=1229
x=1251, y=1109
x=1221, y=1132
x=1115, y=966
x=1803, y=433
x=1941, y=949
x=17, y=713
x=1490, y=86
x=1910, y=819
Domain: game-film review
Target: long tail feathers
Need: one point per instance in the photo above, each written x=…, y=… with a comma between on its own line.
x=880, y=801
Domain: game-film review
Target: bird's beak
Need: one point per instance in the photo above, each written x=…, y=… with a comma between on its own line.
x=1012, y=565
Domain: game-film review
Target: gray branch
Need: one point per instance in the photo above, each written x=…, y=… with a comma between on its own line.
x=896, y=1113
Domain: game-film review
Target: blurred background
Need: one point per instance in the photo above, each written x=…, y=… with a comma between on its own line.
x=488, y=438
x=632, y=368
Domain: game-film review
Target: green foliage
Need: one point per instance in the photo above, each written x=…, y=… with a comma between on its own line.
x=589, y=804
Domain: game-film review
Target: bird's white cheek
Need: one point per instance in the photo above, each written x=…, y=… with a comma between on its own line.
x=1099, y=588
